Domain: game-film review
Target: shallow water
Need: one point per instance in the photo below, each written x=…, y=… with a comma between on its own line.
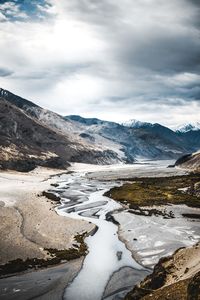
x=82, y=198
x=154, y=237
x=107, y=253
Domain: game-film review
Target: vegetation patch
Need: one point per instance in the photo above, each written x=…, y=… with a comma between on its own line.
x=51, y=196
x=56, y=257
x=148, y=212
x=191, y=216
x=110, y=218
x=54, y=184
x=158, y=191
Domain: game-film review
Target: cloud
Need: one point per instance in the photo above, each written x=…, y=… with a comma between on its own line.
x=5, y=72
x=117, y=59
x=2, y=17
x=11, y=10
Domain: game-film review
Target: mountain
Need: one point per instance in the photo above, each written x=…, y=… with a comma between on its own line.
x=136, y=124
x=31, y=136
x=53, y=140
x=16, y=100
x=152, y=141
x=85, y=121
x=22, y=141
x=190, y=161
x=191, y=134
x=195, y=126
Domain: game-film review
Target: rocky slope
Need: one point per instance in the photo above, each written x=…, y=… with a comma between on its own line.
x=57, y=123
x=176, y=278
x=144, y=140
x=190, y=161
x=25, y=143
x=191, y=138
x=88, y=140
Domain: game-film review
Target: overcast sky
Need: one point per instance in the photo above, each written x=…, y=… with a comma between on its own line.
x=115, y=60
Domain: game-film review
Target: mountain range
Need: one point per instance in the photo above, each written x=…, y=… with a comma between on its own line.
x=31, y=136
x=193, y=126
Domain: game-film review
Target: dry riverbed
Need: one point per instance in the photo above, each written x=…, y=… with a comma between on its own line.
x=161, y=215
x=32, y=235
x=33, y=232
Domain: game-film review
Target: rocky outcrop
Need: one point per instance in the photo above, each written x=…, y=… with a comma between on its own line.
x=176, y=277
x=190, y=161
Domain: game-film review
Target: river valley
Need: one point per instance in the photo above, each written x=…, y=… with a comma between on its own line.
x=124, y=247
x=147, y=239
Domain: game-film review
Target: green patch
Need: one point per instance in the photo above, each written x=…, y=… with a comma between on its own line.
x=191, y=216
x=71, y=253
x=158, y=191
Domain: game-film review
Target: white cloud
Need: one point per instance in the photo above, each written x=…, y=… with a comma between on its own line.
x=11, y=9
x=2, y=17
x=105, y=58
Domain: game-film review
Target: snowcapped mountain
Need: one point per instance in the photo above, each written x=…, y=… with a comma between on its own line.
x=33, y=136
x=136, y=124
x=194, y=126
x=152, y=141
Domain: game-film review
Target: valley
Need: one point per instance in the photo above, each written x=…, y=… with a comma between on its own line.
x=125, y=246
x=85, y=140
x=94, y=206
x=99, y=150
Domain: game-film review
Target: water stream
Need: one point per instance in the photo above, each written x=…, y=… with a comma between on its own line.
x=83, y=198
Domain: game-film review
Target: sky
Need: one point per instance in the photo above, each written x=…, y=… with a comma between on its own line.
x=115, y=60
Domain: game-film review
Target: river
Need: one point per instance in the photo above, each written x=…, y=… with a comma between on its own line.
x=119, y=256
x=82, y=196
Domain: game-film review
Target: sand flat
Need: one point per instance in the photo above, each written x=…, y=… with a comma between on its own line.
x=29, y=222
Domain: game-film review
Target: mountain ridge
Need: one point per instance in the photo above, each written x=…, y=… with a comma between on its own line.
x=192, y=126
x=145, y=141
x=26, y=143
x=133, y=123
x=92, y=140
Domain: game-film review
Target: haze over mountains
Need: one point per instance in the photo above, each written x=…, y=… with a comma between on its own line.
x=31, y=136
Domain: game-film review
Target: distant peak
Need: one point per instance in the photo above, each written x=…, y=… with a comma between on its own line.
x=133, y=123
x=193, y=126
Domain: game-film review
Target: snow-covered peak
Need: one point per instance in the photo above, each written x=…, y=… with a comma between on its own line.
x=136, y=124
x=194, y=126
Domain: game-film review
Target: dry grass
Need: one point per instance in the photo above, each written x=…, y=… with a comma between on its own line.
x=158, y=191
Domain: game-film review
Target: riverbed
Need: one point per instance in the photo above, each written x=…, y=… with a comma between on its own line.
x=83, y=198
x=136, y=243
x=124, y=248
